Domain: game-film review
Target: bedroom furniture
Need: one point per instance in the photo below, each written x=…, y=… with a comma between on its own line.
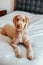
x=33, y=6
x=3, y=12
x=14, y=4
x=7, y=55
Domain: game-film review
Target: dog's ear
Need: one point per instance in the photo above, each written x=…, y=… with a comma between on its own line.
x=27, y=22
x=14, y=19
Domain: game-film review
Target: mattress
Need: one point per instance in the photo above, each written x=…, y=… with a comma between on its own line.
x=7, y=55
x=9, y=17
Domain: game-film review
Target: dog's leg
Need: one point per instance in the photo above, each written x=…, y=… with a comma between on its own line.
x=3, y=32
x=17, y=50
x=28, y=49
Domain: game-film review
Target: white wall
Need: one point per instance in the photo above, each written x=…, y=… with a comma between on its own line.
x=7, y=4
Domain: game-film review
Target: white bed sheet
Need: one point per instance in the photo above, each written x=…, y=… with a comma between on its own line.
x=7, y=56
x=9, y=17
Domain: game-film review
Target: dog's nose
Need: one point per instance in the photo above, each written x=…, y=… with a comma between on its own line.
x=19, y=26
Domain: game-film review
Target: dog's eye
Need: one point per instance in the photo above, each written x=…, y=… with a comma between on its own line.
x=23, y=20
x=18, y=19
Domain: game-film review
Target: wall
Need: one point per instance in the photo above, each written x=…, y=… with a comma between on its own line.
x=7, y=4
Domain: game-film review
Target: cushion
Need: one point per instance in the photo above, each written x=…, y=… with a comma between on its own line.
x=33, y=6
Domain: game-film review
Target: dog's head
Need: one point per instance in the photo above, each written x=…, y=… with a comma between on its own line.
x=21, y=22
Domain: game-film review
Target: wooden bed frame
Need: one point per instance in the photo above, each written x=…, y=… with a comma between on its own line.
x=14, y=5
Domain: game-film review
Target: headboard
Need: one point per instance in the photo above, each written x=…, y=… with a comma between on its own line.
x=33, y=6
x=14, y=4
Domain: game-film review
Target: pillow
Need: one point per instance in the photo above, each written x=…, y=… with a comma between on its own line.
x=34, y=6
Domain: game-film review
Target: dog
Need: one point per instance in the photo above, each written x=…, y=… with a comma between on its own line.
x=19, y=34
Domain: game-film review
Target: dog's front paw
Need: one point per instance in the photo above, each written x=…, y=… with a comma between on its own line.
x=18, y=55
x=30, y=55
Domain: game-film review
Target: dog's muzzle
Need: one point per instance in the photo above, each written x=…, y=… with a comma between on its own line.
x=19, y=26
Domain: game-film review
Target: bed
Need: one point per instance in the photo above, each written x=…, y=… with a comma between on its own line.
x=7, y=55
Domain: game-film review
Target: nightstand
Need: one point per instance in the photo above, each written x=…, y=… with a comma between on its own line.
x=3, y=12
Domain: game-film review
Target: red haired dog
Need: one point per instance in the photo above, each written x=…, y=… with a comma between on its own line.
x=19, y=34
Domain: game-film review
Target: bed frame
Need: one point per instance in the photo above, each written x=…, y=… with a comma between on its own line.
x=14, y=5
